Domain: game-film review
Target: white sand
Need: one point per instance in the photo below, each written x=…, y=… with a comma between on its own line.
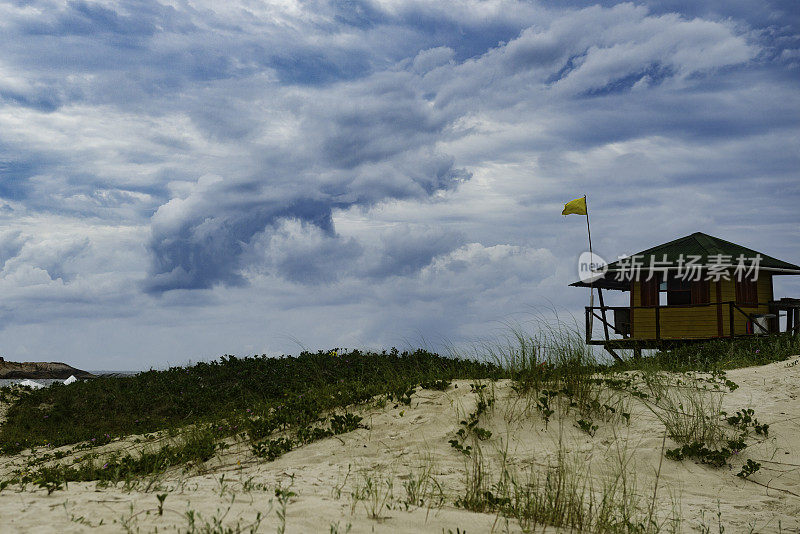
x=402, y=439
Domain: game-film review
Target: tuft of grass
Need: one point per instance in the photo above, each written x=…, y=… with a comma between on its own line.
x=565, y=495
x=283, y=495
x=374, y=491
x=690, y=412
x=554, y=369
x=422, y=488
x=553, y=354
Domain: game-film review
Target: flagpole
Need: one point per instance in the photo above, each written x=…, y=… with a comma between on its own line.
x=588, y=228
x=591, y=260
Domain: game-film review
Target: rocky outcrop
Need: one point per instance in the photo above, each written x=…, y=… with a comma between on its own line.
x=40, y=370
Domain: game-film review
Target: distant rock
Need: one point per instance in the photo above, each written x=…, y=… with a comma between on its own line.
x=40, y=370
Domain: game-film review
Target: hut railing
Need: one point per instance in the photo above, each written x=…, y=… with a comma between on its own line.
x=790, y=306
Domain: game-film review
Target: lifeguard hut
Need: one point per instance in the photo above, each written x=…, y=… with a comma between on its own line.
x=695, y=288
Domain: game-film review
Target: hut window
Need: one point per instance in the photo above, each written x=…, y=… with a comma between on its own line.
x=747, y=292
x=679, y=291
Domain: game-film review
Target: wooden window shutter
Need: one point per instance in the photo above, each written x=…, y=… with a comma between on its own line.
x=650, y=292
x=701, y=292
x=747, y=292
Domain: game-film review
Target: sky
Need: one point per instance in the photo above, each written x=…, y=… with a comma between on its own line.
x=181, y=180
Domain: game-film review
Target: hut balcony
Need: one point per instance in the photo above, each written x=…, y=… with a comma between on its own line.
x=656, y=326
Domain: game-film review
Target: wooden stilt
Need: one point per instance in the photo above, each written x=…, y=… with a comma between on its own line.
x=611, y=352
x=603, y=311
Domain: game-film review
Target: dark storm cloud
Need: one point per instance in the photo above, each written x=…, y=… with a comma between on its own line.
x=88, y=18
x=206, y=238
x=358, y=144
x=755, y=13
x=196, y=245
x=406, y=251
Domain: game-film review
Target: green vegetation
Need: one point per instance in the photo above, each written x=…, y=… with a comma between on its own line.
x=469, y=426
x=262, y=395
x=719, y=354
x=374, y=491
x=197, y=447
x=259, y=395
x=748, y=468
x=273, y=448
x=745, y=418
x=275, y=403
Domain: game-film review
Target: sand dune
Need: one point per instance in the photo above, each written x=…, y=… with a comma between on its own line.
x=404, y=442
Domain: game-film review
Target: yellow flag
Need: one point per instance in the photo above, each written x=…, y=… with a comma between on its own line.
x=577, y=206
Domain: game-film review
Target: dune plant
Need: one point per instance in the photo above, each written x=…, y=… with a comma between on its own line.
x=421, y=486
x=195, y=447
x=271, y=449
x=469, y=429
x=690, y=407
x=374, y=491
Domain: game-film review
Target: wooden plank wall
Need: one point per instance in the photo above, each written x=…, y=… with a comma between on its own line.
x=728, y=291
x=697, y=322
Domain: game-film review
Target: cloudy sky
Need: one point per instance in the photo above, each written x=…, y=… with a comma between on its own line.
x=181, y=180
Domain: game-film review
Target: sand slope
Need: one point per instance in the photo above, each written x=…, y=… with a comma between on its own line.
x=403, y=441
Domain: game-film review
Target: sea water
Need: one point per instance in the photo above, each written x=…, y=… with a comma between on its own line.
x=43, y=381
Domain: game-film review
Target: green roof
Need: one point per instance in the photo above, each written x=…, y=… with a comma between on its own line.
x=706, y=247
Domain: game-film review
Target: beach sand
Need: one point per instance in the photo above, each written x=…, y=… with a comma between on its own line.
x=403, y=442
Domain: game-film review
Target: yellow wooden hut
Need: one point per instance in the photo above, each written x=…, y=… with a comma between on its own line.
x=694, y=288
